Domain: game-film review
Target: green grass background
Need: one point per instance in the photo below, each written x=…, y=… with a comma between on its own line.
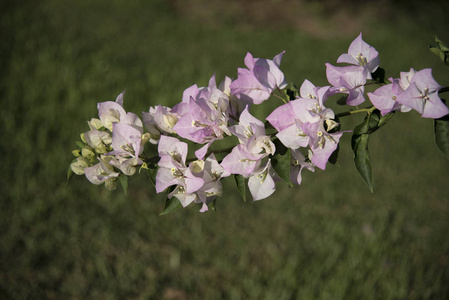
x=330, y=238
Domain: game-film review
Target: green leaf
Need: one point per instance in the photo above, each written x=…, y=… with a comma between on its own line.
x=379, y=75
x=363, y=127
x=280, y=162
x=212, y=205
x=124, y=182
x=291, y=91
x=362, y=158
x=240, y=181
x=384, y=119
x=359, y=143
x=441, y=50
x=80, y=145
x=70, y=172
x=152, y=168
x=360, y=137
x=442, y=134
x=441, y=44
x=170, y=206
x=152, y=175
x=372, y=122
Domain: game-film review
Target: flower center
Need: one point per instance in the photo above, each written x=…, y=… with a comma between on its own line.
x=361, y=59
x=177, y=173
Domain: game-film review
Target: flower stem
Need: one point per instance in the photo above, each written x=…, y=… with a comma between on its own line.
x=277, y=96
x=356, y=111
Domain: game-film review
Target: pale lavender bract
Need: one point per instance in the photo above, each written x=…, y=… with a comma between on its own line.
x=255, y=84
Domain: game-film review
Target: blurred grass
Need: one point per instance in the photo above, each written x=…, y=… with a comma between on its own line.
x=328, y=239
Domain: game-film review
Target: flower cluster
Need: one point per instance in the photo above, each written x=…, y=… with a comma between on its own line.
x=306, y=135
x=413, y=90
x=112, y=146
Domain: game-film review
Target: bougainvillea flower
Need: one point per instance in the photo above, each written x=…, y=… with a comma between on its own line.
x=251, y=134
x=422, y=95
x=254, y=146
x=127, y=145
x=255, y=84
x=211, y=172
x=241, y=161
x=309, y=90
x=261, y=183
x=186, y=186
x=205, y=117
x=405, y=79
x=282, y=117
x=99, y=140
x=172, y=150
x=180, y=193
x=349, y=80
x=247, y=127
x=322, y=144
x=310, y=107
x=202, y=123
x=173, y=171
x=102, y=172
x=361, y=54
x=293, y=137
x=159, y=120
x=186, y=183
x=384, y=98
x=298, y=163
x=267, y=71
x=113, y=112
x=126, y=140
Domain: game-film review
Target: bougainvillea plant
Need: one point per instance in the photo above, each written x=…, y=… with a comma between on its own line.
x=175, y=145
